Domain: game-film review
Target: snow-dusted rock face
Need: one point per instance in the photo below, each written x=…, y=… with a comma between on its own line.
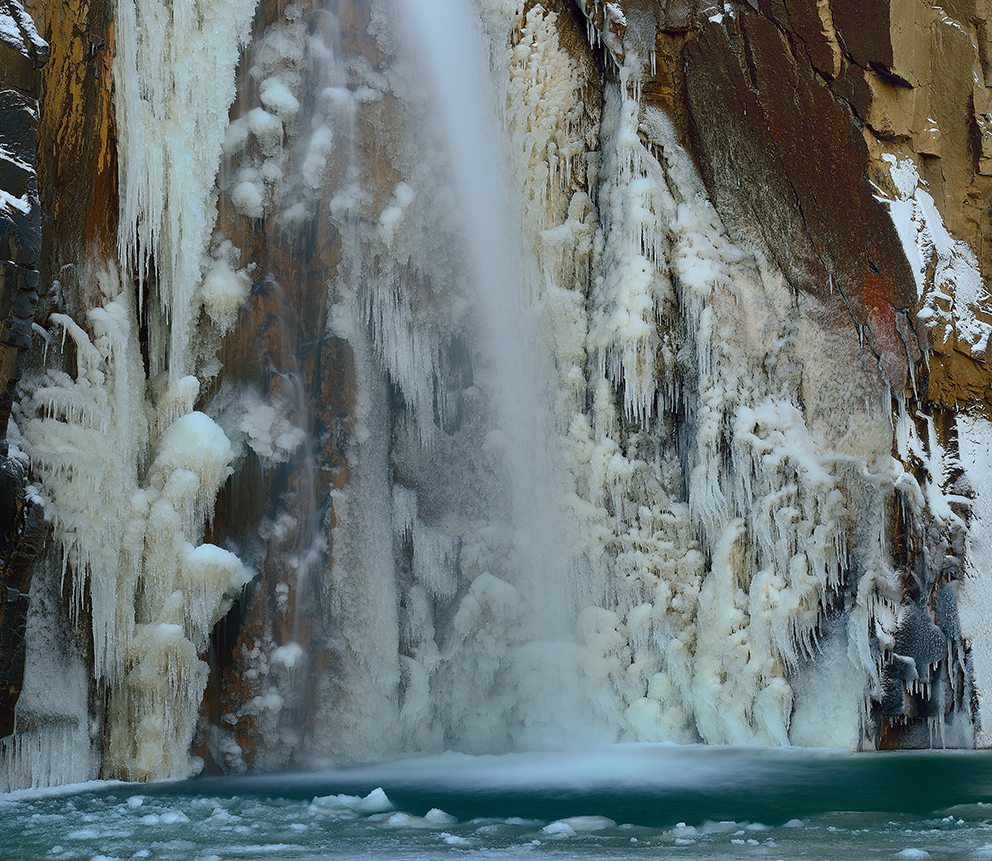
x=22, y=55
x=490, y=373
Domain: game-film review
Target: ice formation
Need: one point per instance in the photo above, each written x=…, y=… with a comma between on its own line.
x=709, y=518
x=174, y=83
x=128, y=468
x=975, y=445
x=605, y=476
x=128, y=526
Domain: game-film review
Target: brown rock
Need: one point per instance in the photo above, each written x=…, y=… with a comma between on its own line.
x=780, y=153
x=881, y=35
x=77, y=159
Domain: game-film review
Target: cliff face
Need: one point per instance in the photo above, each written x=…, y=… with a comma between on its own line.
x=802, y=119
x=22, y=55
x=791, y=96
x=749, y=246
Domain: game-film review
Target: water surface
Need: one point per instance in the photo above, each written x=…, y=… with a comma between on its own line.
x=628, y=801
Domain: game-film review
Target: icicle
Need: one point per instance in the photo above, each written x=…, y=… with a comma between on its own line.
x=174, y=83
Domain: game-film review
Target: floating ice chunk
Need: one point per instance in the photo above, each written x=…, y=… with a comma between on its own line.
x=588, y=824
x=439, y=817
x=375, y=802
x=559, y=829
x=173, y=817
x=724, y=826
x=453, y=839
x=405, y=820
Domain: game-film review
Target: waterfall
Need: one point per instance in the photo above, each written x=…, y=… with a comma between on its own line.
x=445, y=373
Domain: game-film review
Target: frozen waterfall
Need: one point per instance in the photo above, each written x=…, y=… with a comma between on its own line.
x=429, y=404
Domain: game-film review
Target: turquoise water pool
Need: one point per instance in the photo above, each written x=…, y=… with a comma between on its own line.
x=630, y=801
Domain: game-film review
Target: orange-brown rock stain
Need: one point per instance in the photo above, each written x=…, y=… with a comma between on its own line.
x=282, y=348
x=77, y=139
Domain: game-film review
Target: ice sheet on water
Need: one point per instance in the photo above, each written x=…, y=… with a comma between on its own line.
x=580, y=824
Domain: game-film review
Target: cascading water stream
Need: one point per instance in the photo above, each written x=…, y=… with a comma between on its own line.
x=448, y=44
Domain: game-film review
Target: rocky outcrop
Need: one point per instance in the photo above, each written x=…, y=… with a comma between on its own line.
x=793, y=113
x=77, y=155
x=801, y=117
x=22, y=55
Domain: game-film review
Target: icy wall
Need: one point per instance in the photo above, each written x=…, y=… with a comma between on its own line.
x=493, y=374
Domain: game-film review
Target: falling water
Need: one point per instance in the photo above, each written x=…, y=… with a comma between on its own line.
x=448, y=40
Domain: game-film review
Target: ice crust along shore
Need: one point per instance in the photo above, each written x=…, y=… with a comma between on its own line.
x=672, y=532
